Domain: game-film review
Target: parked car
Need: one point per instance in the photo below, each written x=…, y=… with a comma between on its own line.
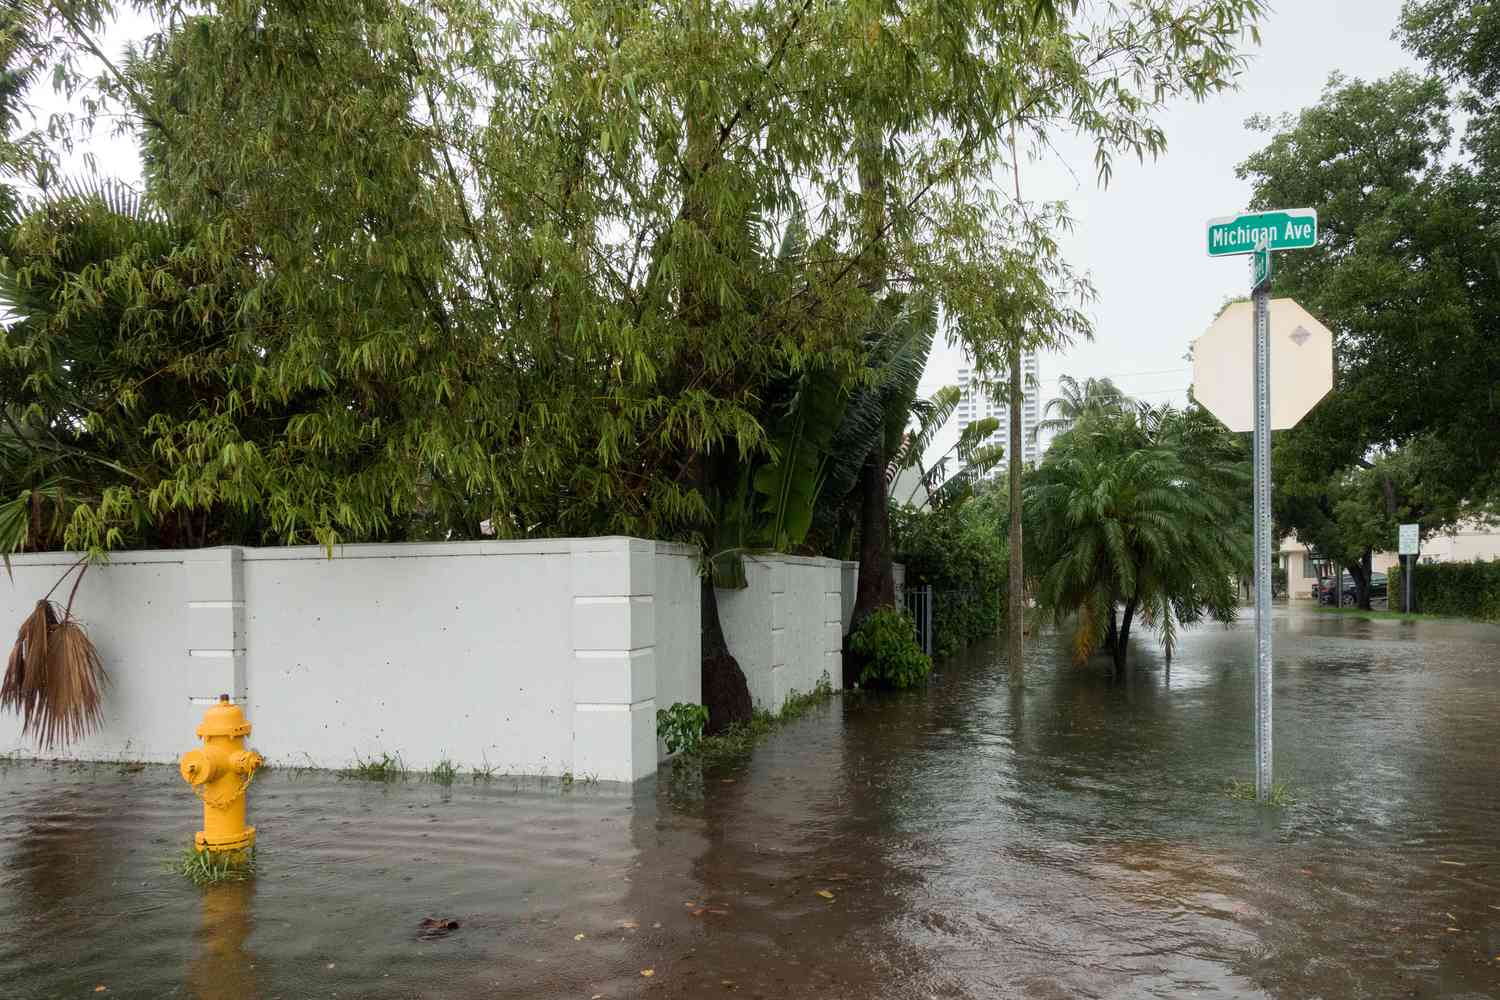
x=1378, y=588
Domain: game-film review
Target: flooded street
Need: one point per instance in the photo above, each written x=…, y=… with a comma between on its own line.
x=1074, y=840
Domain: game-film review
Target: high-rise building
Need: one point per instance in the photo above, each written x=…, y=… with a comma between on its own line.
x=976, y=403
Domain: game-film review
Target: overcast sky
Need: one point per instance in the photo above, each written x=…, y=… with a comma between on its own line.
x=1142, y=239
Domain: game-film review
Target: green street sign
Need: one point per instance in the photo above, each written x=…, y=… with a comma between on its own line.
x=1260, y=268
x=1282, y=229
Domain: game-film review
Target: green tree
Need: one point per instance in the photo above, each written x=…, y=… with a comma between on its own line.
x=1404, y=275
x=1138, y=514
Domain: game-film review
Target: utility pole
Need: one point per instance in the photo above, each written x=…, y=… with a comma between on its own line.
x=1016, y=607
x=1016, y=610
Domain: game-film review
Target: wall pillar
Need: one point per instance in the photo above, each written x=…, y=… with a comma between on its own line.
x=216, y=624
x=833, y=622
x=614, y=658
x=780, y=684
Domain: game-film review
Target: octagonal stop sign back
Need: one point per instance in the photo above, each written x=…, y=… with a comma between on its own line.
x=1301, y=365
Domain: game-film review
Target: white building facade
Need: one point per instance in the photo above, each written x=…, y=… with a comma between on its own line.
x=978, y=402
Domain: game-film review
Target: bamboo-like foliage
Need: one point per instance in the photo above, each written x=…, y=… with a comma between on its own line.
x=511, y=260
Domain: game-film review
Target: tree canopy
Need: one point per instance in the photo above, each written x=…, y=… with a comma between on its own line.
x=1406, y=275
x=514, y=262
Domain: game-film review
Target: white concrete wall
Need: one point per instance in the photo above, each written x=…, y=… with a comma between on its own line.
x=137, y=613
x=545, y=657
x=529, y=657
x=785, y=628
x=679, y=629
x=849, y=581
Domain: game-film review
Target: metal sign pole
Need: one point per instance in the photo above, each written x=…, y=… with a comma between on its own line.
x=1307, y=375
x=1262, y=445
x=1411, y=563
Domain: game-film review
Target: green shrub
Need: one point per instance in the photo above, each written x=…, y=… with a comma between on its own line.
x=1460, y=589
x=961, y=553
x=886, y=644
x=681, y=726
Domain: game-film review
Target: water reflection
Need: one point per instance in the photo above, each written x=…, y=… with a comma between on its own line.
x=223, y=966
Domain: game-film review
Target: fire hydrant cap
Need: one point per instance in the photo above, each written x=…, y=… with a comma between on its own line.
x=224, y=719
x=196, y=767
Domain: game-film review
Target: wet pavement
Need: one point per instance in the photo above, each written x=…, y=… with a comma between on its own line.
x=1070, y=841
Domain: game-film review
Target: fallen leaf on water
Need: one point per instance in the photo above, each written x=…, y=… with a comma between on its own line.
x=718, y=912
x=696, y=911
x=657, y=925
x=101, y=988
x=578, y=937
x=825, y=894
x=597, y=996
x=330, y=965
x=1456, y=864
x=648, y=973
x=1455, y=930
x=628, y=925
x=432, y=928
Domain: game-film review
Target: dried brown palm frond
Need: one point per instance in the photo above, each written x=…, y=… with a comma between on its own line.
x=72, y=702
x=26, y=669
x=54, y=677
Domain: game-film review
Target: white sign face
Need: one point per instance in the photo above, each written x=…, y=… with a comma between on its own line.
x=1301, y=365
x=1410, y=540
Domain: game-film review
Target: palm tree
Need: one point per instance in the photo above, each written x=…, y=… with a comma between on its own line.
x=975, y=457
x=1137, y=516
x=1075, y=399
x=870, y=439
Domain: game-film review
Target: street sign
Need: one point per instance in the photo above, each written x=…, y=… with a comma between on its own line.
x=1293, y=384
x=1260, y=269
x=1409, y=540
x=1301, y=365
x=1281, y=229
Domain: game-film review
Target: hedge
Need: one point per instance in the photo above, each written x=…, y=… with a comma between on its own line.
x=1460, y=589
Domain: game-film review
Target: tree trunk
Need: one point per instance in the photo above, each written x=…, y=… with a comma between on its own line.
x=1122, y=645
x=1362, y=582
x=1359, y=572
x=1016, y=639
x=1112, y=632
x=877, y=578
x=725, y=693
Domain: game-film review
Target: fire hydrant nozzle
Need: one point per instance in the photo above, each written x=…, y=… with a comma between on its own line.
x=220, y=772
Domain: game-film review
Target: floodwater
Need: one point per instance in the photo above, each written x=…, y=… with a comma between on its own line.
x=1070, y=841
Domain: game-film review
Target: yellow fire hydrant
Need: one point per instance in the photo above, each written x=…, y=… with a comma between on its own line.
x=220, y=773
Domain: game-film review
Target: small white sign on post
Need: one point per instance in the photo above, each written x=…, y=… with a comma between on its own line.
x=1409, y=540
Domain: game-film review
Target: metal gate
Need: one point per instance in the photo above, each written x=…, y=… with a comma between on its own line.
x=919, y=606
